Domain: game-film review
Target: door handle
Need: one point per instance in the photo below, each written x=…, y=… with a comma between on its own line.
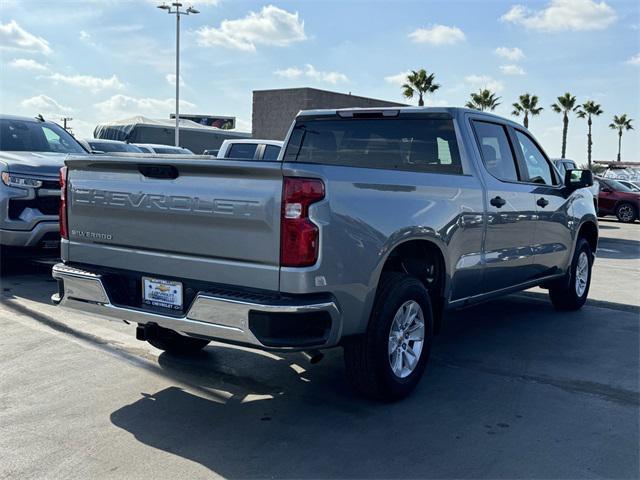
x=542, y=202
x=498, y=202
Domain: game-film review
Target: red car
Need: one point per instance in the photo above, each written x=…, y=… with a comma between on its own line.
x=619, y=200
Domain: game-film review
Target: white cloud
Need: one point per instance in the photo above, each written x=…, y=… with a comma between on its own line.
x=291, y=72
x=561, y=15
x=635, y=60
x=27, y=64
x=84, y=35
x=171, y=79
x=438, y=35
x=199, y=3
x=87, y=81
x=271, y=26
x=512, y=70
x=432, y=102
x=484, y=81
x=14, y=37
x=398, y=79
x=126, y=106
x=44, y=104
x=514, y=54
x=310, y=72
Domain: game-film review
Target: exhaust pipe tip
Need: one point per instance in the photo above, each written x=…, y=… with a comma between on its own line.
x=313, y=356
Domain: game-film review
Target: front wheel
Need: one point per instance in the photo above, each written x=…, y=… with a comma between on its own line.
x=572, y=295
x=388, y=361
x=626, y=213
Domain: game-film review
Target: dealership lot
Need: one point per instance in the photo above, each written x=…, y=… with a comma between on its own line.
x=514, y=389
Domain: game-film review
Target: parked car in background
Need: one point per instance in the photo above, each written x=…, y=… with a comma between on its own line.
x=563, y=165
x=250, y=149
x=95, y=145
x=619, y=171
x=163, y=149
x=373, y=222
x=32, y=151
x=617, y=199
x=633, y=186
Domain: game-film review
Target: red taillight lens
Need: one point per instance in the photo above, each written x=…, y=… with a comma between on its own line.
x=299, y=236
x=64, y=233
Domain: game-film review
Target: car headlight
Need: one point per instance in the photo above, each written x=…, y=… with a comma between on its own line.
x=17, y=181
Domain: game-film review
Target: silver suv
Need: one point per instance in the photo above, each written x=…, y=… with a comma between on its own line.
x=32, y=151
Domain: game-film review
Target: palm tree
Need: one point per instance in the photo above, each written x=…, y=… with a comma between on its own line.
x=565, y=104
x=527, y=104
x=589, y=109
x=485, y=99
x=621, y=123
x=419, y=83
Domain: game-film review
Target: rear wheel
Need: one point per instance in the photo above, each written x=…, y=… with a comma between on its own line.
x=572, y=295
x=626, y=213
x=174, y=343
x=388, y=361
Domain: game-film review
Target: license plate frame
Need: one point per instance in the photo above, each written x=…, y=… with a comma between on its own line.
x=162, y=293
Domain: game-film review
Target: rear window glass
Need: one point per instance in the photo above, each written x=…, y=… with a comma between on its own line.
x=245, y=151
x=271, y=152
x=414, y=144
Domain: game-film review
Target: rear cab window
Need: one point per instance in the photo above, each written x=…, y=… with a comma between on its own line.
x=245, y=151
x=271, y=152
x=419, y=143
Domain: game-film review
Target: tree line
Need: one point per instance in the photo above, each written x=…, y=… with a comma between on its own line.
x=420, y=83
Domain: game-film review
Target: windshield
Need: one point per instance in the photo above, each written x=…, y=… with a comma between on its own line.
x=617, y=186
x=175, y=150
x=35, y=136
x=108, y=147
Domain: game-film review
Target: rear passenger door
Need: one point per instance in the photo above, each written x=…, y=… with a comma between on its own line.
x=553, y=239
x=511, y=210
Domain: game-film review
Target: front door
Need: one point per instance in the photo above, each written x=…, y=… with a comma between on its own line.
x=511, y=211
x=553, y=239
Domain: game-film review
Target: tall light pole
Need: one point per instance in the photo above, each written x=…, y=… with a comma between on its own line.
x=174, y=9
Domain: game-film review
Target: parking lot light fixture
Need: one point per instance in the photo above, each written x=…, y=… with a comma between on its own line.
x=175, y=9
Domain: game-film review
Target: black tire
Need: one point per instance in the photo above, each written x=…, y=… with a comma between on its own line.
x=626, y=213
x=565, y=295
x=366, y=356
x=176, y=344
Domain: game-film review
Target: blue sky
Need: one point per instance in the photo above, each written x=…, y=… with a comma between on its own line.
x=101, y=60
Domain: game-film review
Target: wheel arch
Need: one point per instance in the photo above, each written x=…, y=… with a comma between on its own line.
x=412, y=255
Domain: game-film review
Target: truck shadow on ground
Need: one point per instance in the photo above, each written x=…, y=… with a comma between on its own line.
x=251, y=416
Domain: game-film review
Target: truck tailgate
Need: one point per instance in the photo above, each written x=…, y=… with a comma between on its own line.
x=210, y=220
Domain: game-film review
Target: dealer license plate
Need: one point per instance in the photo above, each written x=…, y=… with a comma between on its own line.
x=162, y=293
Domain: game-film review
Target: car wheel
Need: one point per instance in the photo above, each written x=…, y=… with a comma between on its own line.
x=626, y=213
x=572, y=295
x=174, y=343
x=388, y=361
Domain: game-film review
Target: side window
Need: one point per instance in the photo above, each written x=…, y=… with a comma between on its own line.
x=538, y=168
x=496, y=151
x=244, y=151
x=53, y=139
x=271, y=152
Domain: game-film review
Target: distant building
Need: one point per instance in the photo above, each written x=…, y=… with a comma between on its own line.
x=274, y=110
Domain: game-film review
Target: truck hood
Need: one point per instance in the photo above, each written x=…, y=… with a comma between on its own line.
x=33, y=163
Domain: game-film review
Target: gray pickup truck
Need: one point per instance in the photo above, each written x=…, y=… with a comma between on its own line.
x=370, y=224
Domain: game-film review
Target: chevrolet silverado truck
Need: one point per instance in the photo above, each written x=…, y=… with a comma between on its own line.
x=32, y=151
x=370, y=224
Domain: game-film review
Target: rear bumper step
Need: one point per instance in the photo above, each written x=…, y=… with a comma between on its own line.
x=293, y=324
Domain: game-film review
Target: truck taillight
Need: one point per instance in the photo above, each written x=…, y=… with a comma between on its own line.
x=64, y=231
x=299, y=236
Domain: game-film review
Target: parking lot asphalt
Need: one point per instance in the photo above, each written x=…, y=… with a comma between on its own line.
x=514, y=389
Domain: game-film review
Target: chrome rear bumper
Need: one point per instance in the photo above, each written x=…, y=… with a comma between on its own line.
x=210, y=316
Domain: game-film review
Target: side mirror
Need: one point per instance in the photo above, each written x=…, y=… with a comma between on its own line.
x=575, y=179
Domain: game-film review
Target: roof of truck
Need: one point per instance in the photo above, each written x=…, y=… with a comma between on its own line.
x=453, y=111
